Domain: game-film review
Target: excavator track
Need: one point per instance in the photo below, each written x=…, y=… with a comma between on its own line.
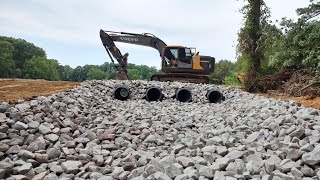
x=181, y=77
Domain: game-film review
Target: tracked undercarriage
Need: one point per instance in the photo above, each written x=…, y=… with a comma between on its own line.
x=181, y=77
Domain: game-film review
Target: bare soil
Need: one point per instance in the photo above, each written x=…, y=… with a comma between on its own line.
x=307, y=101
x=11, y=90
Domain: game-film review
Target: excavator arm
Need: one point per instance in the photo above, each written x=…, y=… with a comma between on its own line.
x=109, y=37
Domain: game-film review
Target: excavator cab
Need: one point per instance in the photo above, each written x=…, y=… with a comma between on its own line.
x=177, y=57
x=185, y=60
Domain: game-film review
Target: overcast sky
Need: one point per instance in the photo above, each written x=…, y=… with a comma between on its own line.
x=69, y=30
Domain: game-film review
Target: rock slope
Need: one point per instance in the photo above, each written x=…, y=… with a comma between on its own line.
x=86, y=134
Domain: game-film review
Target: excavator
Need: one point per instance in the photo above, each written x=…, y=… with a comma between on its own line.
x=178, y=63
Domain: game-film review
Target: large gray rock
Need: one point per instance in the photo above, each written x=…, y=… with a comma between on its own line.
x=206, y=172
x=2, y=173
x=3, y=147
x=234, y=154
x=6, y=165
x=18, y=177
x=82, y=140
x=53, y=153
x=254, y=163
x=296, y=173
x=223, y=162
x=282, y=176
x=218, y=175
x=52, y=137
x=185, y=161
x=116, y=172
x=44, y=129
x=154, y=166
x=3, y=135
x=71, y=166
x=236, y=167
x=33, y=124
x=4, y=107
x=161, y=176
x=307, y=171
x=286, y=165
x=22, y=107
x=25, y=168
x=40, y=176
x=173, y=170
x=272, y=163
x=13, y=149
x=20, y=126
x=24, y=154
x=313, y=157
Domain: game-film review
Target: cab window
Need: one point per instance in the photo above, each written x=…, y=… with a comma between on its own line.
x=188, y=52
x=174, y=53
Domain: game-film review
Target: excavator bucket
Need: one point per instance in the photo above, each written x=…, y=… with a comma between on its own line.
x=121, y=76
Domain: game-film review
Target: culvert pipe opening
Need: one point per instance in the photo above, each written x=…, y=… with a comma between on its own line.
x=183, y=95
x=154, y=94
x=214, y=96
x=122, y=93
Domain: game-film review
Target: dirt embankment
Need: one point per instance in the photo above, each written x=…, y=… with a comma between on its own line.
x=307, y=101
x=12, y=90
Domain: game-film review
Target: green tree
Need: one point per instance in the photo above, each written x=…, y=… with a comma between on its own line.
x=40, y=68
x=23, y=50
x=222, y=69
x=112, y=75
x=96, y=73
x=146, y=71
x=107, y=67
x=54, y=69
x=65, y=72
x=224, y=73
x=299, y=46
x=249, y=41
x=78, y=74
x=7, y=65
x=133, y=74
x=310, y=12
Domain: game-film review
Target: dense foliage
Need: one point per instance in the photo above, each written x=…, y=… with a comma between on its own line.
x=249, y=42
x=299, y=47
x=225, y=73
x=288, y=46
x=21, y=59
x=7, y=65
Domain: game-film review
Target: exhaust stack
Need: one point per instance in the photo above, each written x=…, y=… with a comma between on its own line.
x=183, y=95
x=121, y=93
x=154, y=94
x=215, y=96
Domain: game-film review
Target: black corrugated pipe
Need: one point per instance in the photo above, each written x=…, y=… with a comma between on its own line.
x=154, y=94
x=183, y=95
x=215, y=96
x=122, y=93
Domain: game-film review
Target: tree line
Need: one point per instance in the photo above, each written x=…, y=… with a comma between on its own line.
x=22, y=59
x=263, y=49
x=266, y=49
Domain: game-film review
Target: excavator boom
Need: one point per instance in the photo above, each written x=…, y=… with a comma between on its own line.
x=109, y=37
